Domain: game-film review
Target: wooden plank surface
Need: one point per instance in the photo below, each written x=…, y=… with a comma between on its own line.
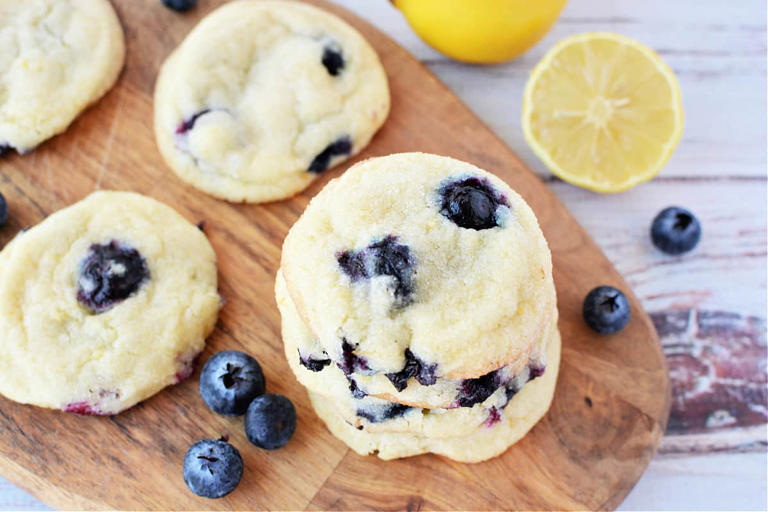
x=612, y=401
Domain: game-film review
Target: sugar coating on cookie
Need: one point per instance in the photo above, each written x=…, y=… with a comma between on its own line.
x=262, y=96
x=422, y=263
x=103, y=304
x=488, y=440
x=56, y=58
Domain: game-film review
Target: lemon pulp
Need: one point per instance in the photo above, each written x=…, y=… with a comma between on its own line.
x=602, y=111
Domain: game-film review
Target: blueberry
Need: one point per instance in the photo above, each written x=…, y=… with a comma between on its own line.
x=414, y=367
x=675, y=230
x=387, y=257
x=313, y=364
x=180, y=5
x=379, y=413
x=212, y=468
x=3, y=210
x=333, y=60
x=229, y=381
x=471, y=203
x=475, y=391
x=4, y=148
x=270, y=421
x=340, y=147
x=606, y=310
x=109, y=273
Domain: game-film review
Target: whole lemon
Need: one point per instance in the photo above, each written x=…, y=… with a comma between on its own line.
x=481, y=31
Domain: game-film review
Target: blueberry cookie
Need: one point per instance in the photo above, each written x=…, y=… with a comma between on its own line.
x=303, y=349
x=489, y=439
x=103, y=304
x=68, y=50
x=262, y=96
x=420, y=268
x=373, y=414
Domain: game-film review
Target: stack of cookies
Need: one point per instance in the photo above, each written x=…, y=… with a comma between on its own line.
x=419, y=311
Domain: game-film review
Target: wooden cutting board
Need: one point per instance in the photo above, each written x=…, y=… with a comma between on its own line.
x=612, y=399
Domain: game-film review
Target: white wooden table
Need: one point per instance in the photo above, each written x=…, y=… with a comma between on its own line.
x=718, y=50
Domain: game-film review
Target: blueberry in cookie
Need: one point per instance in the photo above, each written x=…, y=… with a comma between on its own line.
x=109, y=273
x=386, y=257
x=472, y=203
x=103, y=304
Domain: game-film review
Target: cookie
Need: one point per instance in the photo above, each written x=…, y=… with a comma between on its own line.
x=70, y=51
x=304, y=349
x=489, y=439
x=422, y=267
x=373, y=414
x=262, y=96
x=103, y=304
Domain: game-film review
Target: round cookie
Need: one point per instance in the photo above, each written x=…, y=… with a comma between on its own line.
x=56, y=58
x=103, y=304
x=262, y=96
x=305, y=350
x=376, y=415
x=421, y=264
x=487, y=441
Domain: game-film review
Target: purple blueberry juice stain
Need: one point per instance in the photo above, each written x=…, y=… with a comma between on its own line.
x=83, y=409
x=188, y=124
x=187, y=368
x=86, y=408
x=385, y=257
x=471, y=203
x=494, y=416
x=109, y=274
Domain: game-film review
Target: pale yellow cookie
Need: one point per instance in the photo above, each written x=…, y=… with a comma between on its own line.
x=488, y=440
x=376, y=415
x=421, y=264
x=56, y=58
x=303, y=349
x=103, y=304
x=264, y=95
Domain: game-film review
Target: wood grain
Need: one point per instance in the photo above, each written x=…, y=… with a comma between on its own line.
x=612, y=401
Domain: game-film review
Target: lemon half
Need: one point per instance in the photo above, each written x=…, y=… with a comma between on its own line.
x=602, y=111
